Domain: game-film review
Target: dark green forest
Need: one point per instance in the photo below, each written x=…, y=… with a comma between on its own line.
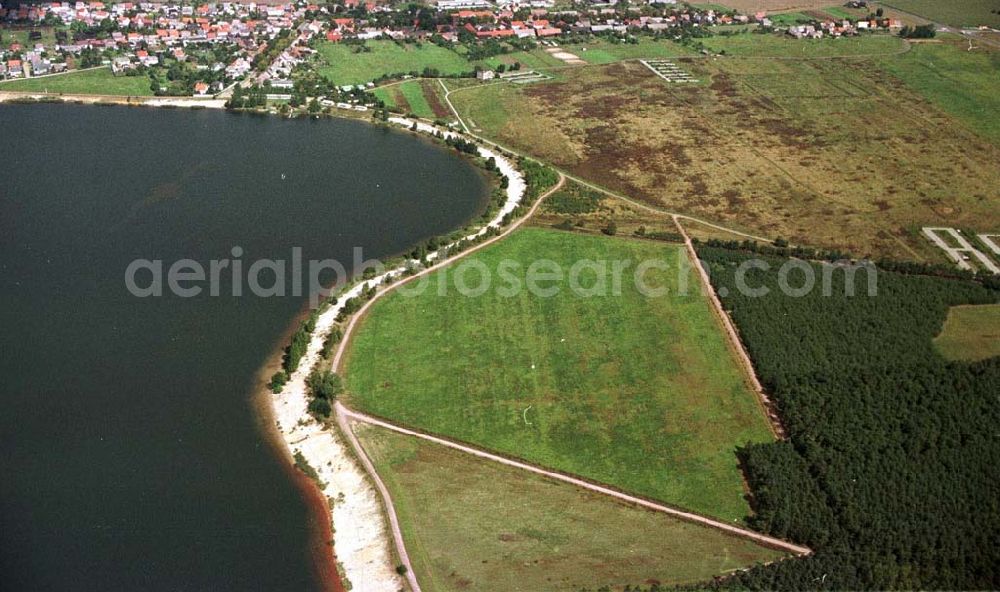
x=892, y=468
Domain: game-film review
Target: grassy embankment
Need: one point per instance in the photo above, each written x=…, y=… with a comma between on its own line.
x=970, y=333
x=471, y=524
x=85, y=82
x=831, y=152
x=638, y=392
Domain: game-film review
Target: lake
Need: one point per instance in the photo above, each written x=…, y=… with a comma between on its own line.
x=131, y=448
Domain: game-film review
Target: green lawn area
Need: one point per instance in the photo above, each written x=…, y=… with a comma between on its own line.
x=90, y=82
x=8, y=36
x=958, y=13
x=790, y=18
x=475, y=525
x=970, y=333
x=966, y=84
x=841, y=12
x=776, y=45
x=343, y=66
x=635, y=391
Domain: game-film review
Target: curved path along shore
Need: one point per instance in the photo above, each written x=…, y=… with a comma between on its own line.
x=343, y=414
x=361, y=544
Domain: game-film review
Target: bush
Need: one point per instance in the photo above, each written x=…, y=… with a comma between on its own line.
x=320, y=408
x=278, y=381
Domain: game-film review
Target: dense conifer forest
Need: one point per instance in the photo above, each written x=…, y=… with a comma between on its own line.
x=892, y=468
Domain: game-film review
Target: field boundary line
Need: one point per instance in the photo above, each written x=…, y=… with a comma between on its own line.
x=768, y=407
x=763, y=539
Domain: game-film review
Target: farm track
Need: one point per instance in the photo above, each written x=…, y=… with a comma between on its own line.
x=736, y=344
x=344, y=415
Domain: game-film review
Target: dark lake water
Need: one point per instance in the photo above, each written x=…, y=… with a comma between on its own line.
x=131, y=455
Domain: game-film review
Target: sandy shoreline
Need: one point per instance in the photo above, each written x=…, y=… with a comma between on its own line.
x=362, y=543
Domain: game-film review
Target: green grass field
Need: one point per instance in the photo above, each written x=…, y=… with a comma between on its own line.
x=603, y=52
x=88, y=82
x=775, y=45
x=475, y=525
x=343, y=66
x=970, y=333
x=966, y=84
x=638, y=392
x=535, y=59
x=958, y=13
x=790, y=18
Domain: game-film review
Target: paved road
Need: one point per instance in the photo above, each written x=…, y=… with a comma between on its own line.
x=344, y=414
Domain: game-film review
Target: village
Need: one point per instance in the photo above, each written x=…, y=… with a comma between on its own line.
x=205, y=50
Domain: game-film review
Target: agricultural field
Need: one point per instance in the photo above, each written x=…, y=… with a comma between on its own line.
x=640, y=392
x=958, y=13
x=964, y=83
x=423, y=98
x=603, y=52
x=783, y=46
x=970, y=333
x=343, y=64
x=831, y=152
x=99, y=81
x=474, y=525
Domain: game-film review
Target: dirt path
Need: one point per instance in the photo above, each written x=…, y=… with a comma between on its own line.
x=344, y=414
x=770, y=410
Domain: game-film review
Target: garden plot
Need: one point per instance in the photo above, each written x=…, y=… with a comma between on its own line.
x=668, y=71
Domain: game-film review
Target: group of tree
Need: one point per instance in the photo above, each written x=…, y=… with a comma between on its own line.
x=247, y=98
x=890, y=470
x=918, y=32
x=324, y=387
